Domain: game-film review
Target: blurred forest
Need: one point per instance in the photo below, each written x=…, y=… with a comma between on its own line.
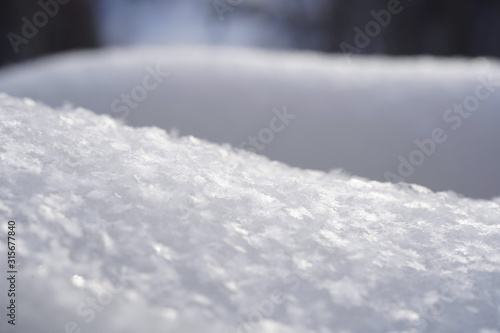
x=67, y=26
x=436, y=27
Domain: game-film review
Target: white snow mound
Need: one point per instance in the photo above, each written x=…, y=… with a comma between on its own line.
x=363, y=116
x=124, y=229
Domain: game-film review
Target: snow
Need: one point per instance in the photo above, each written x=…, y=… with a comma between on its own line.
x=363, y=115
x=126, y=229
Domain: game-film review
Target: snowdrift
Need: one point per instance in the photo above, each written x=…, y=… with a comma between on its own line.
x=126, y=229
x=419, y=120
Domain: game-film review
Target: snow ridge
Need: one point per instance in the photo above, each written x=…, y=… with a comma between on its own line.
x=131, y=229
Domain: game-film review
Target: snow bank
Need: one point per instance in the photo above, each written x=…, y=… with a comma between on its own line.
x=126, y=229
x=364, y=116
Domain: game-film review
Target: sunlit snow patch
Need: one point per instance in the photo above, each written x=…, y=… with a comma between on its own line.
x=126, y=229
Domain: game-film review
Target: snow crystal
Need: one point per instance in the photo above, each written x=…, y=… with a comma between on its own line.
x=126, y=229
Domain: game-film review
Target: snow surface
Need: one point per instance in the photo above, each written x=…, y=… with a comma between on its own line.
x=192, y=236
x=360, y=116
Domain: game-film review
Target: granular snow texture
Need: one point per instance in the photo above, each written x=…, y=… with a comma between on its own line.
x=124, y=229
x=362, y=116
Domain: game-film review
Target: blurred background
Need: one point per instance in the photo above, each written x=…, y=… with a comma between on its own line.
x=436, y=27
